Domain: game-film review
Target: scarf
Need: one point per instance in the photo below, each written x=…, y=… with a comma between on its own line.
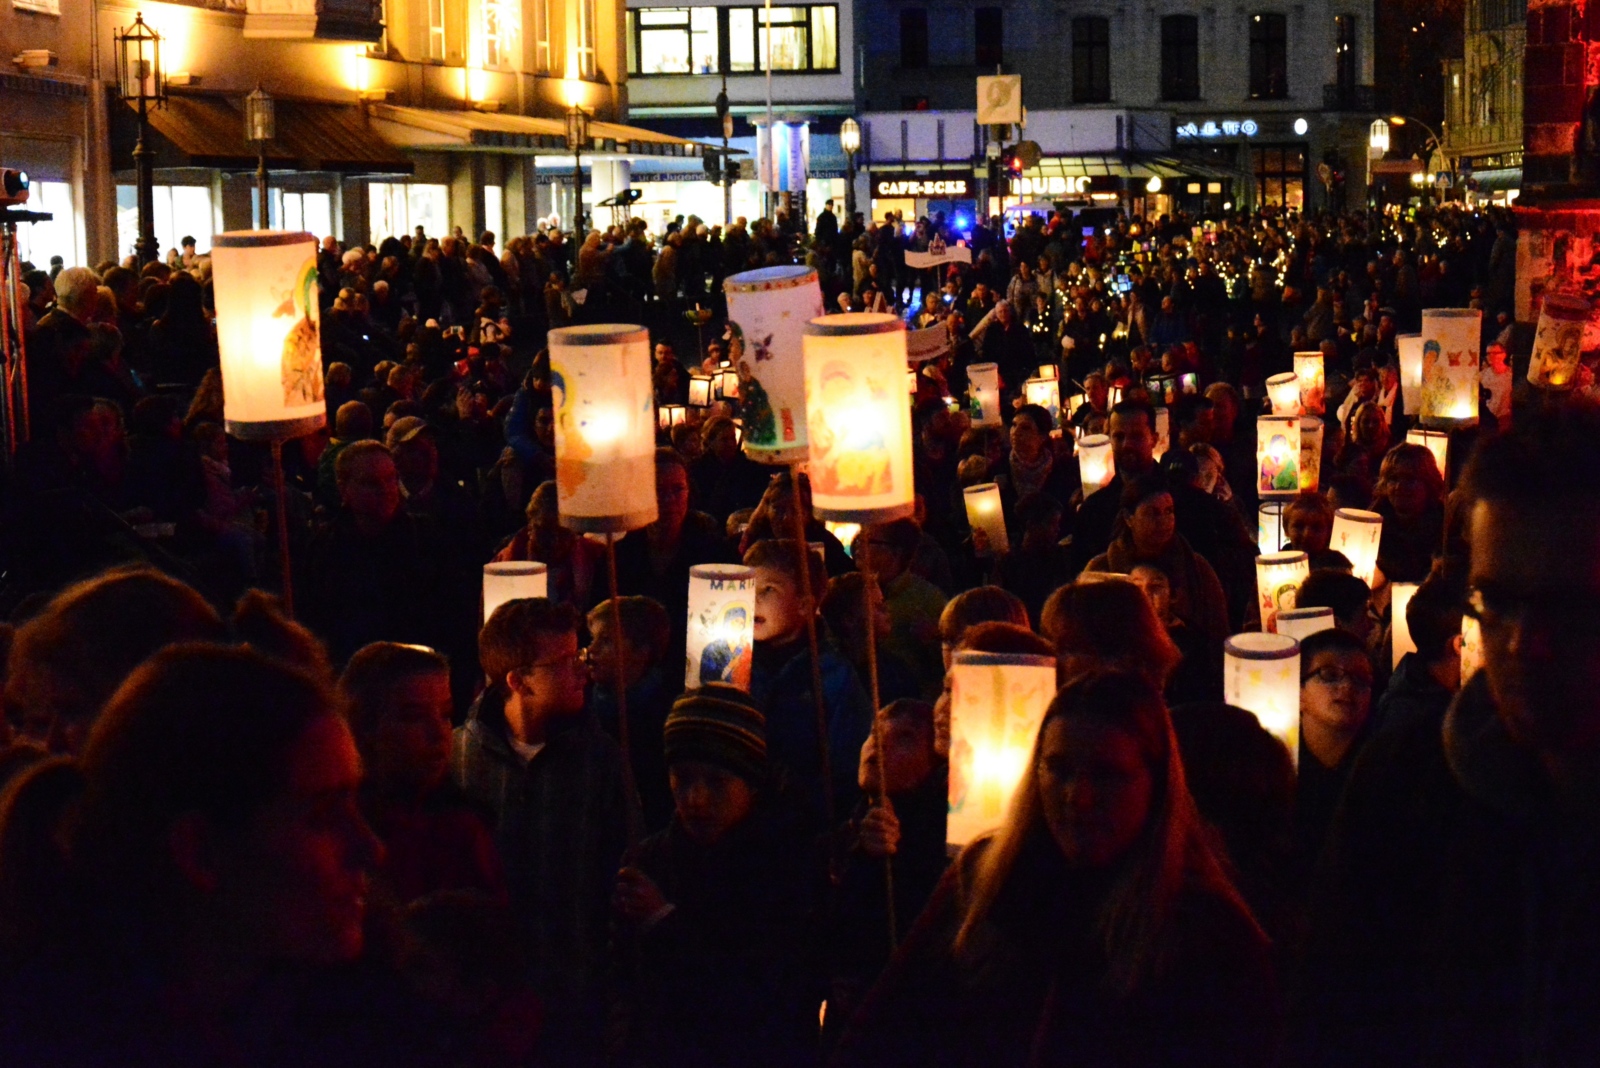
x=1029, y=478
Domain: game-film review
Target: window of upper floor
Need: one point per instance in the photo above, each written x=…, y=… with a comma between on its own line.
x=1269, y=57
x=1180, y=57
x=913, y=38
x=733, y=40
x=1091, y=60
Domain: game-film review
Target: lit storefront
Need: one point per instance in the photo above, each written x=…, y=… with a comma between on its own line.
x=1146, y=184
x=1275, y=157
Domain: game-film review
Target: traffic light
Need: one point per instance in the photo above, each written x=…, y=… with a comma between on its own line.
x=711, y=159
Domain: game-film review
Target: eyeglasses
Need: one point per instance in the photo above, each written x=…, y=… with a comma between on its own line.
x=1334, y=678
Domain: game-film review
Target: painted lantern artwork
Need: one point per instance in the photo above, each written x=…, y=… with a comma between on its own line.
x=768, y=310
x=721, y=625
x=997, y=702
x=605, y=427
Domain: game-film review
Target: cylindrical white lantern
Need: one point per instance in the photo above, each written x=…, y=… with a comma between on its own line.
x=1284, y=392
x=983, y=394
x=512, y=580
x=1356, y=533
x=722, y=610
x=1163, y=432
x=1261, y=674
x=1471, y=648
x=1436, y=442
x=268, y=335
x=1049, y=370
x=1269, y=528
x=1278, y=579
x=605, y=436
x=1451, y=348
x=997, y=703
x=700, y=391
x=1310, y=451
x=985, y=517
x=1409, y=347
x=1277, y=455
x=1558, y=342
x=768, y=310
x=1096, y=468
x=1302, y=623
x=1400, y=594
x=1313, y=388
x=858, y=418
x=1046, y=393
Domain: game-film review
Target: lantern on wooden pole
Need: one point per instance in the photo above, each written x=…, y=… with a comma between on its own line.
x=1356, y=533
x=1269, y=529
x=1409, y=349
x=1096, y=465
x=1451, y=350
x=1277, y=455
x=1284, y=392
x=721, y=625
x=1278, y=579
x=512, y=580
x=997, y=704
x=987, y=520
x=1308, y=369
x=1302, y=623
x=1261, y=674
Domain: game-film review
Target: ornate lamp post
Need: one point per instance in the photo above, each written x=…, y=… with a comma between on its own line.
x=577, y=137
x=142, y=82
x=260, y=126
x=850, y=143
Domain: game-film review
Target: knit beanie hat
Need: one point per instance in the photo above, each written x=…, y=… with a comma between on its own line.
x=720, y=725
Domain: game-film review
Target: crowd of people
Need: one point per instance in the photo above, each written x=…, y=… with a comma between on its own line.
x=379, y=828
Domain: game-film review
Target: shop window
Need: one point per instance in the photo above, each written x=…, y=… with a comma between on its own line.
x=913, y=38
x=1344, y=56
x=311, y=212
x=671, y=40
x=1180, y=57
x=1269, y=57
x=988, y=37
x=399, y=208
x=1280, y=173
x=1091, y=60
x=180, y=211
x=37, y=242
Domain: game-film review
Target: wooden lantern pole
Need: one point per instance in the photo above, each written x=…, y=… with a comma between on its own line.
x=285, y=568
x=877, y=736
x=630, y=785
x=806, y=592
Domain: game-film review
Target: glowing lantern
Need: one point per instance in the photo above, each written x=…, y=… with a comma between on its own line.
x=997, y=703
x=857, y=417
x=671, y=415
x=1278, y=579
x=911, y=380
x=512, y=580
x=700, y=391
x=1302, y=623
x=605, y=437
x=1269, y=528
x=728, y=384
x=1074, y=402
x=1310, y=452
x=983, y=394
x=1261, y=674
x=1113, y=396
x=265, y=285
x=1095, y=466
x=1471, y=648
x=1450, y=353
x=845, y=532
x=1436, y=442
x=767, y=313
x=1308, y=369
x=722, y=610
x=1409, y=347
x=1277, y=455
x=1284, y=392
x=1046, y=393
x=1356, y=533
x=1558, y=342
x=986, y=519
x=1163, y=432
x=1049, y=370
x=1399, y=627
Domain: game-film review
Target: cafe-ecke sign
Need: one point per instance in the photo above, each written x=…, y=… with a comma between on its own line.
x=938, y=184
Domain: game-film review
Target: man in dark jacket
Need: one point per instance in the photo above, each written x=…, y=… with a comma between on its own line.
x=1425, y=681
x=1457, y=919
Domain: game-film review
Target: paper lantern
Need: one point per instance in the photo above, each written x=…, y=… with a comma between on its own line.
x=846, y=533
x=721, y=636
x=767, y=313
x=670, y=415
x=1313, y=389
x=1046, y=393
x=1356, y=533
x=911, y=380
x=1436, y=442
x=1451, y=348
x=1471, y=648
x=985, y=517
x=1096, y=467
x=1113, y=396
x=1310, y=451
x=1277, y=455
x=700, y=391
x=983, y=394
x=268, y=335
x=1278, y=579
x=1409, y=347
x=512, y=580
x=1400, y=595
x=1302, y=623
x=1269, y=526
x=858, y=418
x=605, y=436
x=1074, y=402
x=1163, y=432
x=1284, y=392
x=1049, y=370
x=997, y=702
x=1261, y=674
x=1558, y=342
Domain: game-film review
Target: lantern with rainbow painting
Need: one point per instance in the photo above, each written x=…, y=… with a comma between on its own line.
x=767, y=314
x=1356, y=533
x=1313, y=389
x=1451, y=343
x=1278, y=579
x=1277, y=455
x=720, y=635
x=605, y=427
x=1261, y=674
x=997, y=703
x=512, y=580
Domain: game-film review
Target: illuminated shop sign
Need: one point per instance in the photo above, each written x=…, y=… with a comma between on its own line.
x=1211, y=128
x=944, y=184
x=1062, y=186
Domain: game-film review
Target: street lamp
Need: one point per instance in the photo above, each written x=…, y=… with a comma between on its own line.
x=850, y=143
x=1438, y=145
x=577, y=137
x=141, y=82
x=260, y=126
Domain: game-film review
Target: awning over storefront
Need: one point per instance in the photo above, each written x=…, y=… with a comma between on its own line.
x=1133, y=165
x=465, y=131
x=1500, y=180
x=208, y=131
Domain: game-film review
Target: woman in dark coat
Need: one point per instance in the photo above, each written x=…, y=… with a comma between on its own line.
x=1096, y=927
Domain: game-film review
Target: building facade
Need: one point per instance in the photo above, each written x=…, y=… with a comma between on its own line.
x=1483, y=100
